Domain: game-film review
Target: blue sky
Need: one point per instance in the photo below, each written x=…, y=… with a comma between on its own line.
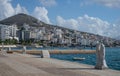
x=94, y=16
x=72, y=9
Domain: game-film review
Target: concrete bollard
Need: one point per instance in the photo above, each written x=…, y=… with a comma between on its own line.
x=2, y=49
x=24, y=50
x=9, y=48
x=45, y=54
x=100, y=57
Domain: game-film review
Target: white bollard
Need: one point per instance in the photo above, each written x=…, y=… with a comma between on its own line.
x=45, y=54
x=100, y=57
x=2, y=47
x=24, y=50
x=9, y=48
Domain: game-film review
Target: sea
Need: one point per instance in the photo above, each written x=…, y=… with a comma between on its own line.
x=112, y=56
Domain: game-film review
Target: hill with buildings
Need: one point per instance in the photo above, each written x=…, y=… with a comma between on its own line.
x=26, y=28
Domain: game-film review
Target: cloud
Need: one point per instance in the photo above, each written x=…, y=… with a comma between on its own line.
x=71, y=23
x=20, y=9
x=7, y=10
x=107, y=3
x=48, y=3
x=41, y=13
x=90, y=24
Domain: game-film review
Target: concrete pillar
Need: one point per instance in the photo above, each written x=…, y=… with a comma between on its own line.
x=2, y=47
x=45, y=54
x=9, y=48
x=24, y=50
x=100, y=57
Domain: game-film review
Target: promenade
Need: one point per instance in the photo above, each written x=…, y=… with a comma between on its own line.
x=30, y=65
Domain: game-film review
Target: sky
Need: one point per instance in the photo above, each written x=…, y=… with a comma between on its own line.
x=95, y=16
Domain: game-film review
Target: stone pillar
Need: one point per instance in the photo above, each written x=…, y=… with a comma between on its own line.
x=24, y=50
x=45, y=54
x=100, y=57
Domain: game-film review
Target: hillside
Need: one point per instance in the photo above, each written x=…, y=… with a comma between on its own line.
x=20, y=19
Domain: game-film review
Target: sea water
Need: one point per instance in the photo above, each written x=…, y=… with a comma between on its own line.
x=112, y=58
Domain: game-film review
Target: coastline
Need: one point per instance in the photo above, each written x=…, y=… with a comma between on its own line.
x=25, y=64
x=111, y=56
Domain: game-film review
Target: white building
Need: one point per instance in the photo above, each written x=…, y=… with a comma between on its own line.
x=13, y=30
x=58, y=33
x=8, y=32
x=43, y=29
x=33, y=35
x=26, y=26
x=4, y=32
x=83, y=41
x=39, y=35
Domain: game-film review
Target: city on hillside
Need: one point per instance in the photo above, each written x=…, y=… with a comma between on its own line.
x=53, y=36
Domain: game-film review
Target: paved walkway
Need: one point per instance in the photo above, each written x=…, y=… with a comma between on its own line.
x=30, y=65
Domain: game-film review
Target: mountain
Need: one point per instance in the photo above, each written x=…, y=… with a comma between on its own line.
x=20, y=19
